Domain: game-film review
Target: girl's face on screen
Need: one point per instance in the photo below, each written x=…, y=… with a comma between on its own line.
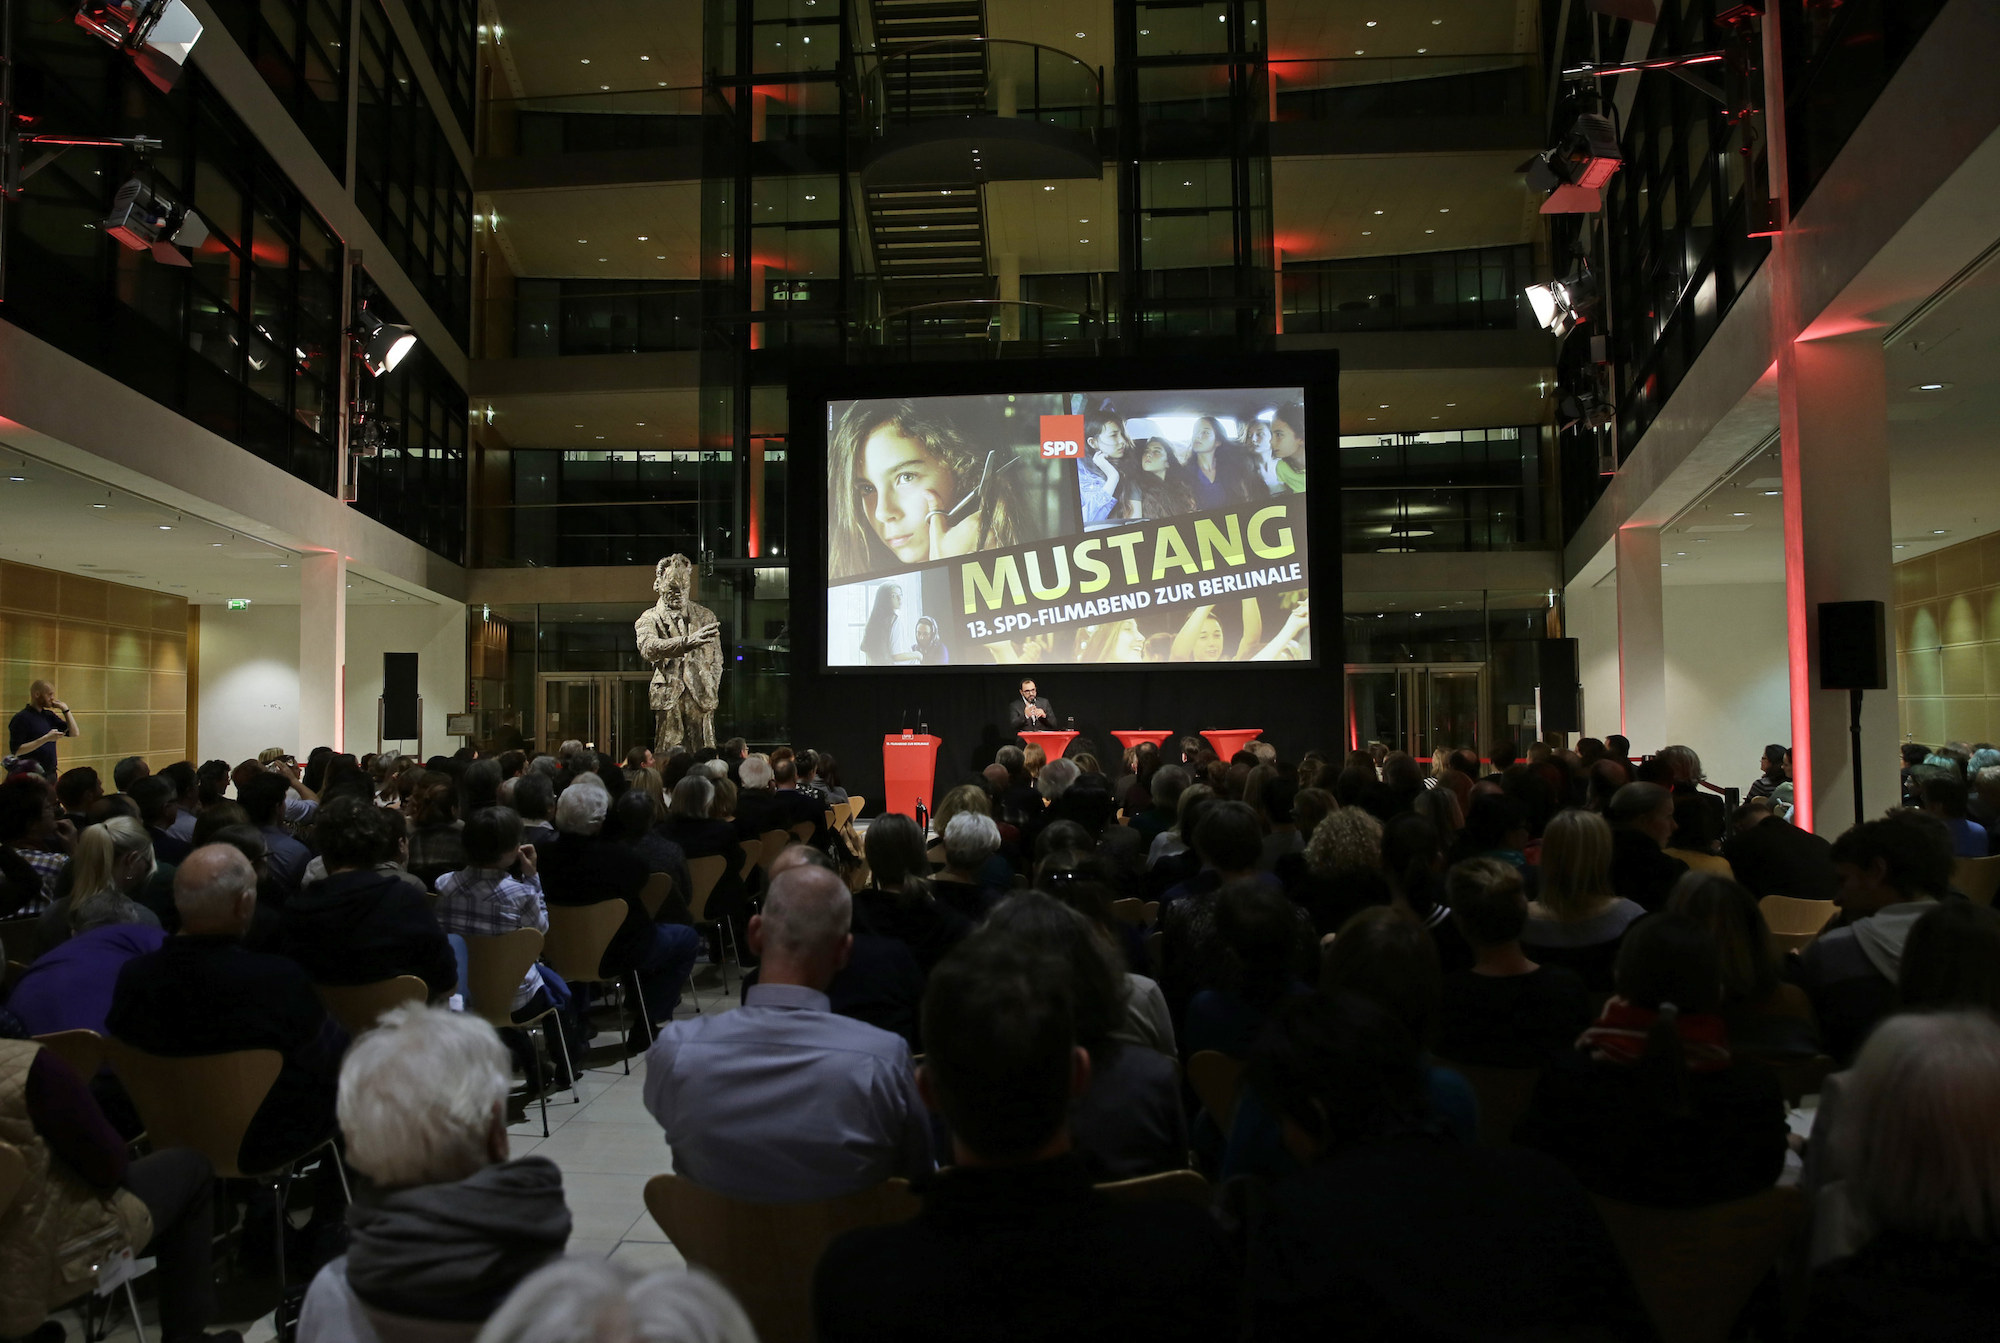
x=1128, y=645
x=1208, y=641
x=897, y=482
x=1204, y=438
x=1155, y=459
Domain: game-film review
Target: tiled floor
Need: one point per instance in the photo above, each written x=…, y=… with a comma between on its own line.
x=607, y=1147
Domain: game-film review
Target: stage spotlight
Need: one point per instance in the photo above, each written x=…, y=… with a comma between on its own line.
x=146, y=219
x=1560, y=305
x=159, y=35
x=1571, y=174
x=381, y=344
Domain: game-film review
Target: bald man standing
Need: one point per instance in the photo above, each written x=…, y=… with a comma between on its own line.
x=782, y=1101
x=34, y=731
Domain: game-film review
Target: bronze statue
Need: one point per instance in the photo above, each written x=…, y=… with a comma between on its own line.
x=681, y=639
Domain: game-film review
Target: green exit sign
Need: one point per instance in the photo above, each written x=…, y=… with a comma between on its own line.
x=239, y=603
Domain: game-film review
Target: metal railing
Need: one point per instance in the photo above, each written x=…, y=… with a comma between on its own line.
x=1004, y=328
x=581, y=123
x=982, y=77
x=1405, y=87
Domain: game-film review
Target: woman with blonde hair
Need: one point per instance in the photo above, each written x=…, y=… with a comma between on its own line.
x=113, y=862
x=648, y=780
x=1576, y=920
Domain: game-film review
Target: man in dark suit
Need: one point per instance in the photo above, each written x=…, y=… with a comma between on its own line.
x=1772, y=856
x=1029, y=712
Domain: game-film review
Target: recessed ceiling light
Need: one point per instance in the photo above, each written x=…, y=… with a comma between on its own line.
x=1082, y=34
x=605, y=87
x=214, y=544
x=1451, y=403
x=1939, y=532
x=1383, y=406
x=1665, y=565
x=1899, y=545
x=1930, y=387
x=1083, y=240
x=100, y=505
x=1772, y=494
x=1048, y=188
x=659, y=258
x=586, y=60
x=812, y=198
x=1371, y=23
x=1430, y=230
x=645, y=58
x=284, y=566
x=1359, y=52
x=166, y=527
x=1368, y=233
x=1422, y=50
x=1444, y=209
x=1378, y=212
x=583, y=240
x=1739, y=515
x=1436, y=22
x=18, y=478
x=1680, y=554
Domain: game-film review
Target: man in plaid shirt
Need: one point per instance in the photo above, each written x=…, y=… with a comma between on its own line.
x=34, y=844
x=485, y=899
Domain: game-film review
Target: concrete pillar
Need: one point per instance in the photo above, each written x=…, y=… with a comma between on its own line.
x=1008, y=264
x=1003, y=88
x=1834, y=434
x=1642, y=644
x=322, y=652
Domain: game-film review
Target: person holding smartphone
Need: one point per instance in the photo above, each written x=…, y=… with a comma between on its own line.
x=34, y=731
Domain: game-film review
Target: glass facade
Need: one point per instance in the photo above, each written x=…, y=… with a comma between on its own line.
x=449, y=30
x=245, y=339
x=1446, y=490
x=408, y=181
x=417, y=483
x=1477, y=289
x=300, y=48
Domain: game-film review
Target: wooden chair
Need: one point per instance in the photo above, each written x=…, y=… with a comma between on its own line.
x=1130, y=910
x=494, y=969
x=82, y=1050
x=22, y=938
x=753, y=857
x=1185, y=1186
x=855, y=802
x=773, y=842
x=804, y=831
x=658, y=887
x=574, y=949
x=1977, y=878
x=1504, y=1095
x=1799, y=1075
x=1156, y=952
x=206, y=1101
x=832, y=818
x=935, y=853
x=357, y=1007
x=1795, y=922
x=1695, y=1268
x=704, y=874
x=1217, y=1080
x=765, y=1252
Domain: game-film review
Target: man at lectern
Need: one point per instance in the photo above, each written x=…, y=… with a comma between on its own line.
x=1030, y=713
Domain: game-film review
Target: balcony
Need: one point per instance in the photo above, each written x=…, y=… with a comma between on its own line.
x=1406, y=105
x=590, y=139
x=1477, y=289
x=985, y=328
x=977, y=109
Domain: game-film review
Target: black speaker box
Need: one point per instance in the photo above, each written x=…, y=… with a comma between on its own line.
x=401, y=720
x=1562, y=693
x=1853, y=646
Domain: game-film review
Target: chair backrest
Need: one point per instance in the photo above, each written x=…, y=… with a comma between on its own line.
x=1217, y=1080
x=1801, y=1075
x=82, y=1050
x=765, y=1252
x=1695, y=1268
x=22, y=937
x=753, y=854
x=13, y=1174
x=205, y=1101
x=1156, y=952
x=843, y=812
x=577, y=937
x=1130, y=910
x=359, y=1006
x=855, y=802
x=658, y=887
x=804, y=830
x=773, y=842
x=1978, y=878
x=495, y=967
x=1504, y=1094
x=703, y=874
x=1787, y=914
x=1186, y=1186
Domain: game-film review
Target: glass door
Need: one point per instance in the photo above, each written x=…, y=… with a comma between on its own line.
x=1416, y=707
x=566, y=709
x=629, y=699
x=608, y=712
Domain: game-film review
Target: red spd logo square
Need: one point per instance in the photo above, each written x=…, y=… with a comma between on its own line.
x=1062, y=436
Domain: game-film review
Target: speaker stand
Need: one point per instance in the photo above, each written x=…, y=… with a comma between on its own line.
x=1854, y=750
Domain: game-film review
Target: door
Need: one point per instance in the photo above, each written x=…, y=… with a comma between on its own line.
x=566, y=709
x=609, y=712
x=1416, y=707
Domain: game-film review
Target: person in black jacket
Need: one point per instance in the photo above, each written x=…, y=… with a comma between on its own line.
x=689, y=825
x=1396, y=1231
x=1772, y=856
x=1013, y=1242
x=203, y=993
x=1651, y=1108
x=900, y=903
x=1642, y=821
x=361, y=924
x=583, y=867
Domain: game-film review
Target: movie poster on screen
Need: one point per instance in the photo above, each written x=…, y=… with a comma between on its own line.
x=1066, y=528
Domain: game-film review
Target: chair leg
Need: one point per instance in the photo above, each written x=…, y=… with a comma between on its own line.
x=643, y=1018
x=279, y=1189
x=340, y=1169
x=535, y=1074
x=562, y=1043
x=132, y=1303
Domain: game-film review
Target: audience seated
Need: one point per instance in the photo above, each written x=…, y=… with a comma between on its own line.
x=1395, y=1232
x=435, y=844
x=1765, y=1015
x=1342, y=873
x=1916, y=1137
x=689, y=825
x=1228, y=840
x=113, y=863
x=1129, y=1121
x=35, y=845
x=1413, y=864
x=1771, y=856
x=782, y=1101
x=634, y=819
x=1164, y=794
x=263, y=796
x=1073, y=879
x=881, y=984
x=534, y=799
x=1506, y=1011
x=158, y=801
x=1257, y=932
x=899, y=903
x=85, y=1196
x=202, y=992
x=447, y=1224
x=1577, y=920
x=361, y=924
x=971, y=842
x=1642, y=824
x=579, y=1300
x=68, y=988
x=1652, y=1108
x=1013, y=1243
x=1944, y=795
x=1892, y=870
x=585, y=868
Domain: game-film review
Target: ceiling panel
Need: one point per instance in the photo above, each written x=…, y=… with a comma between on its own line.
x=1385, y=206
x=1308, y=29
x=1055, y=227
x=650, y=232
x=587, y=46
x=600, y=421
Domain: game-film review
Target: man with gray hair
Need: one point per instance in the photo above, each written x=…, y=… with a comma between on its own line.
x=1642, y=821
x=782, y=1101
x=203, y=992
x=449, y=1224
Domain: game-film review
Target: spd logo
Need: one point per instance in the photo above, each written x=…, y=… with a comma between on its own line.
x=1062, y=436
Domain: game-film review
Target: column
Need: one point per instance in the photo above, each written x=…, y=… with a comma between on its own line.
x=1642, y=644
x=322, y=651
x=1834, y=425
x=1007, y=265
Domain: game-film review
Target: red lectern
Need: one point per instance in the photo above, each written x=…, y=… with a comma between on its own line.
x=909, y=769
x=1227, y=741
x=1053, y=744
x=1131, y=737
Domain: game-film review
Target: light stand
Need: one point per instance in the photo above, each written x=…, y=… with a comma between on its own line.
x=1854, y=748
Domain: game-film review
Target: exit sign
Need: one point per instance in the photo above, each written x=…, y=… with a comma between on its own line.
x=239, y=603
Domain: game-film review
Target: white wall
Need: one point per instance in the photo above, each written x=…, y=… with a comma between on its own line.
x=1728, y=690
x=1728, y=674
x=436, y=634
x=247, y=684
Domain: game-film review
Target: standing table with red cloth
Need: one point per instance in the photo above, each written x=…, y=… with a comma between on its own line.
x=1053, y=744
x=909, y=771
x=1227, y=741
x=1131, y=737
